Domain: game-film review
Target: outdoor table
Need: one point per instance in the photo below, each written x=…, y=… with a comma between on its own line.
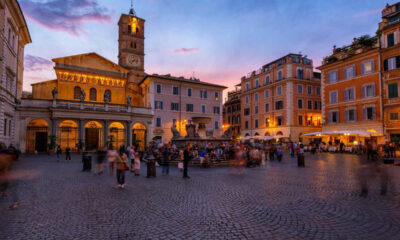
x=348, y=149
x=332, y=149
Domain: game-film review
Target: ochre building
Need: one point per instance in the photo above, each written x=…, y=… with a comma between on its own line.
x=281, y=99
x=93, y=102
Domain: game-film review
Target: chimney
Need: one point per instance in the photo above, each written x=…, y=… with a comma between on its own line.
x=334, y=49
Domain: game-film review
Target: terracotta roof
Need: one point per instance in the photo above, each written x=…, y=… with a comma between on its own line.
x=182, y=79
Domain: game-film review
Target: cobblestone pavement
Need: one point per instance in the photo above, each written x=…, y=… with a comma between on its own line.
x=277, y=201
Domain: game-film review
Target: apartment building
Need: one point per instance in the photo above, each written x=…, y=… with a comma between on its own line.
x=360, y=83
x=351, y=88
x=389, y=41
x=281, y=99
x=176, y=100
x=231, y=112
x=14, y=35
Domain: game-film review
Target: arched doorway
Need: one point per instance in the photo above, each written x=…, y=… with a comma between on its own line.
x=68, y=135
x=139, y=135
x=267, y=134
x=116, y=136
x=36, y=136
x=93, y=135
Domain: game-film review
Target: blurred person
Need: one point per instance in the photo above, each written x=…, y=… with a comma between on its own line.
x=121, y=161
x=138, y=156
x=111, y=157
x=5, y=162
x=187, y=155
x=68, y=153
x=101, y=156
x=58, y=152
x=132, y=156
x=165, y=164
x=180, y=164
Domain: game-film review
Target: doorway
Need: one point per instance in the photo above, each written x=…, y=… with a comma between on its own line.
x=92, y=138
x=41, y=141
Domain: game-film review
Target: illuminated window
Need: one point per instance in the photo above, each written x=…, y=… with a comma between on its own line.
x=77, y=92
x=367, y=67
x=93, y=94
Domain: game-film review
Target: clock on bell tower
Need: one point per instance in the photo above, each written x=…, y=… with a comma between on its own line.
x=131, y=45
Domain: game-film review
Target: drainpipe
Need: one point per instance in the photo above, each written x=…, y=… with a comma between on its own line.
x=381, y=89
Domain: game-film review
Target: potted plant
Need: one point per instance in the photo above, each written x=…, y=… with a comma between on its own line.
x=80, y=145
x=52, y=145
x=110, y=141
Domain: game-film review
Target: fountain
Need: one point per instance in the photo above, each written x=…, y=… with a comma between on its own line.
x=199, y=135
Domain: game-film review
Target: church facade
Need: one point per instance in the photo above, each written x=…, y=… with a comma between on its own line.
x=94, y=102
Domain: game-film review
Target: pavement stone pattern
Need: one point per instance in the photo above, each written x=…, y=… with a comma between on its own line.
x=276, y=201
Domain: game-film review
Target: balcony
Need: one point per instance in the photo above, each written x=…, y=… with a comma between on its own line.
x=84, y=106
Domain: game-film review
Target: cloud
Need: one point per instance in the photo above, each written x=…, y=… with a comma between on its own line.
x=186, y=50
x=35, y=63
x=366, y=13
x=65, y=15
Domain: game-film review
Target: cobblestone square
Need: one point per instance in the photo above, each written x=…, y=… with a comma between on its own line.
x=277, y=201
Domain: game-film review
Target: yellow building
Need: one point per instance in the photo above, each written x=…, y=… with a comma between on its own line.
x=93, y=102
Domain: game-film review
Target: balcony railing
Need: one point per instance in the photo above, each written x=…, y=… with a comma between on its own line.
x=84, y=106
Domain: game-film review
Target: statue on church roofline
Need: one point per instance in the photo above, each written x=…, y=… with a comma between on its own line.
x=128, y=100
x=54, y=92
x=83, y=95
x=106, y=97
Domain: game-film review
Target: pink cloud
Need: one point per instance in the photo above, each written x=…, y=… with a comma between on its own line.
x=366, y=13
x=35, y=63
x=186, y=50
x=65, y=15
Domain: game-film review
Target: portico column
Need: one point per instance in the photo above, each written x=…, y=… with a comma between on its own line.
x=105, y=130
x=128, y=133
x=81, y=129
x=53, y=126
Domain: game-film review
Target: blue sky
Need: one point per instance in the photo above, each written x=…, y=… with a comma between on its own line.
x=219, y=40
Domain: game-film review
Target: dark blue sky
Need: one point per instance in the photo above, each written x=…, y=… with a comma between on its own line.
x=218, y=40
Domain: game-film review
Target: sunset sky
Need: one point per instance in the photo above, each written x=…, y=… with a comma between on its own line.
x=219, y=40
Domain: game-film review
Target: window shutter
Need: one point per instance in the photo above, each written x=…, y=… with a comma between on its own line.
x=337, y=117
x=362, y=68
x=354, y=70
x=352, y=93
x=346, y=94
x=373, y=90
x=330, y=117
x=398, y=62
x=346, y=115
x=373, y=113
x=385, y=65
x=364, y=117
x=363, y=91
x=355, y=115
x=345, y=73
x=372, y=66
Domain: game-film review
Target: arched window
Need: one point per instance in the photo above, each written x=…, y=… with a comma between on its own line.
x=137, y=32
x=108, y=92
x=77, y=92
x=93, y=94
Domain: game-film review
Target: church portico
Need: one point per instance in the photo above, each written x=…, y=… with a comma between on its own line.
x=70, y=123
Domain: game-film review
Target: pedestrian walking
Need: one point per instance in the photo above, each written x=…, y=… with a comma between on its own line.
x=58, y=153
x=68, y=153
x=112, y=157
x=166, y=156
x=101, y=156
x=181, y=156
x=186, y=158
x=121, y=161
x=138, y=156
x=132, y=157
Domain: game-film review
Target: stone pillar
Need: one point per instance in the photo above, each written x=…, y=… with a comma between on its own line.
x=81, y=129
x=105, y=131
x=128, y=133
x=54, y=126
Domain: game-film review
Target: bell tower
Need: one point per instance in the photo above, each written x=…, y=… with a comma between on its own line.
x=131, y=45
